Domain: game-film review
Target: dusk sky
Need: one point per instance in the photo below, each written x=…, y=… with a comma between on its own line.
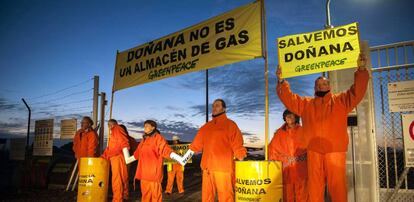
x=50, y=50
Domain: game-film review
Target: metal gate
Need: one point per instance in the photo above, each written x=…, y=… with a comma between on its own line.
x=391, y=63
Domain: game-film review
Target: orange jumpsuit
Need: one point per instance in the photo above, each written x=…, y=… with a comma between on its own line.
x=85, y=144
x=114, y=154
x=325, y=132
x=150, y=153
x=286, y=147
x=220, y=140
x=177, y=170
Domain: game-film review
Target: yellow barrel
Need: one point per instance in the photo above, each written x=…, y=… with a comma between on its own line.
x=259, y=181
x=93, y=180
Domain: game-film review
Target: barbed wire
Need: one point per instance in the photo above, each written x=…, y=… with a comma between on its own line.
x=66, y=103
x=61, y=110
x=61, y=116
x=61, y=90
x=62, y=97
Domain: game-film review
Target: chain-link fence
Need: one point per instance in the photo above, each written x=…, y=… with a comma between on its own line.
x=391, y=63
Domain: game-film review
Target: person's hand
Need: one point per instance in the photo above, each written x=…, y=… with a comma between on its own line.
x=187, y=156
x=174, y=156
x=241, y=158
x=362, y=61
x=278, y=73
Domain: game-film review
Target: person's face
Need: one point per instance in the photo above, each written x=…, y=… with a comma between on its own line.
x=175, y=141
x=217, y=107
x=85, y=124
x=290, y=119
x=148, y=128
x=322, y=85
x=111, y=125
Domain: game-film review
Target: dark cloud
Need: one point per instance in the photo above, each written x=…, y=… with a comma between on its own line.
x=139, y=124
x=168, y=128
x=198, y=110
x=242, y=86
x=77, y=116
x=7, y=135
x=4, y=125
x=17, y=119
x=44, y=113
x=248, y=134
x=8, y=130
x=19, y=124
x=179, y=115
x=252, y=139
x=185, y=130
x=7, y=105
x=58, y=118
x=15, y=125
x=173, y=108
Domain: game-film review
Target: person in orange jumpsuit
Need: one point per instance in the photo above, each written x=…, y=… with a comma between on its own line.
x=150, y=153
x=118, y=141
x=325, y=130
x=85, y=140
x=175, y=170
x=221, y=141
x=286, y=146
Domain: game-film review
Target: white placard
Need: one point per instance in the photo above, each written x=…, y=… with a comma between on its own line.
x=68, y=128
x=43, y=143
x=401, y=96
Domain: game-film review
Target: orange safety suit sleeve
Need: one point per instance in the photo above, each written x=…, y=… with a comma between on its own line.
x=292, y=101
x=163, y=148
x=198, y=143
x=92, y=144
x=237, y=142
x=274, y=149
x=354, y=95
x=105, y=154
x=137, y=151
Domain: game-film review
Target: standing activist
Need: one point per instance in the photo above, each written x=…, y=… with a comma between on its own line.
x=175, y=170
x=221, y=141
x=325, y=130
x=287, y=146
x=118, y=141
x=85, y=140
x=150, y=153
